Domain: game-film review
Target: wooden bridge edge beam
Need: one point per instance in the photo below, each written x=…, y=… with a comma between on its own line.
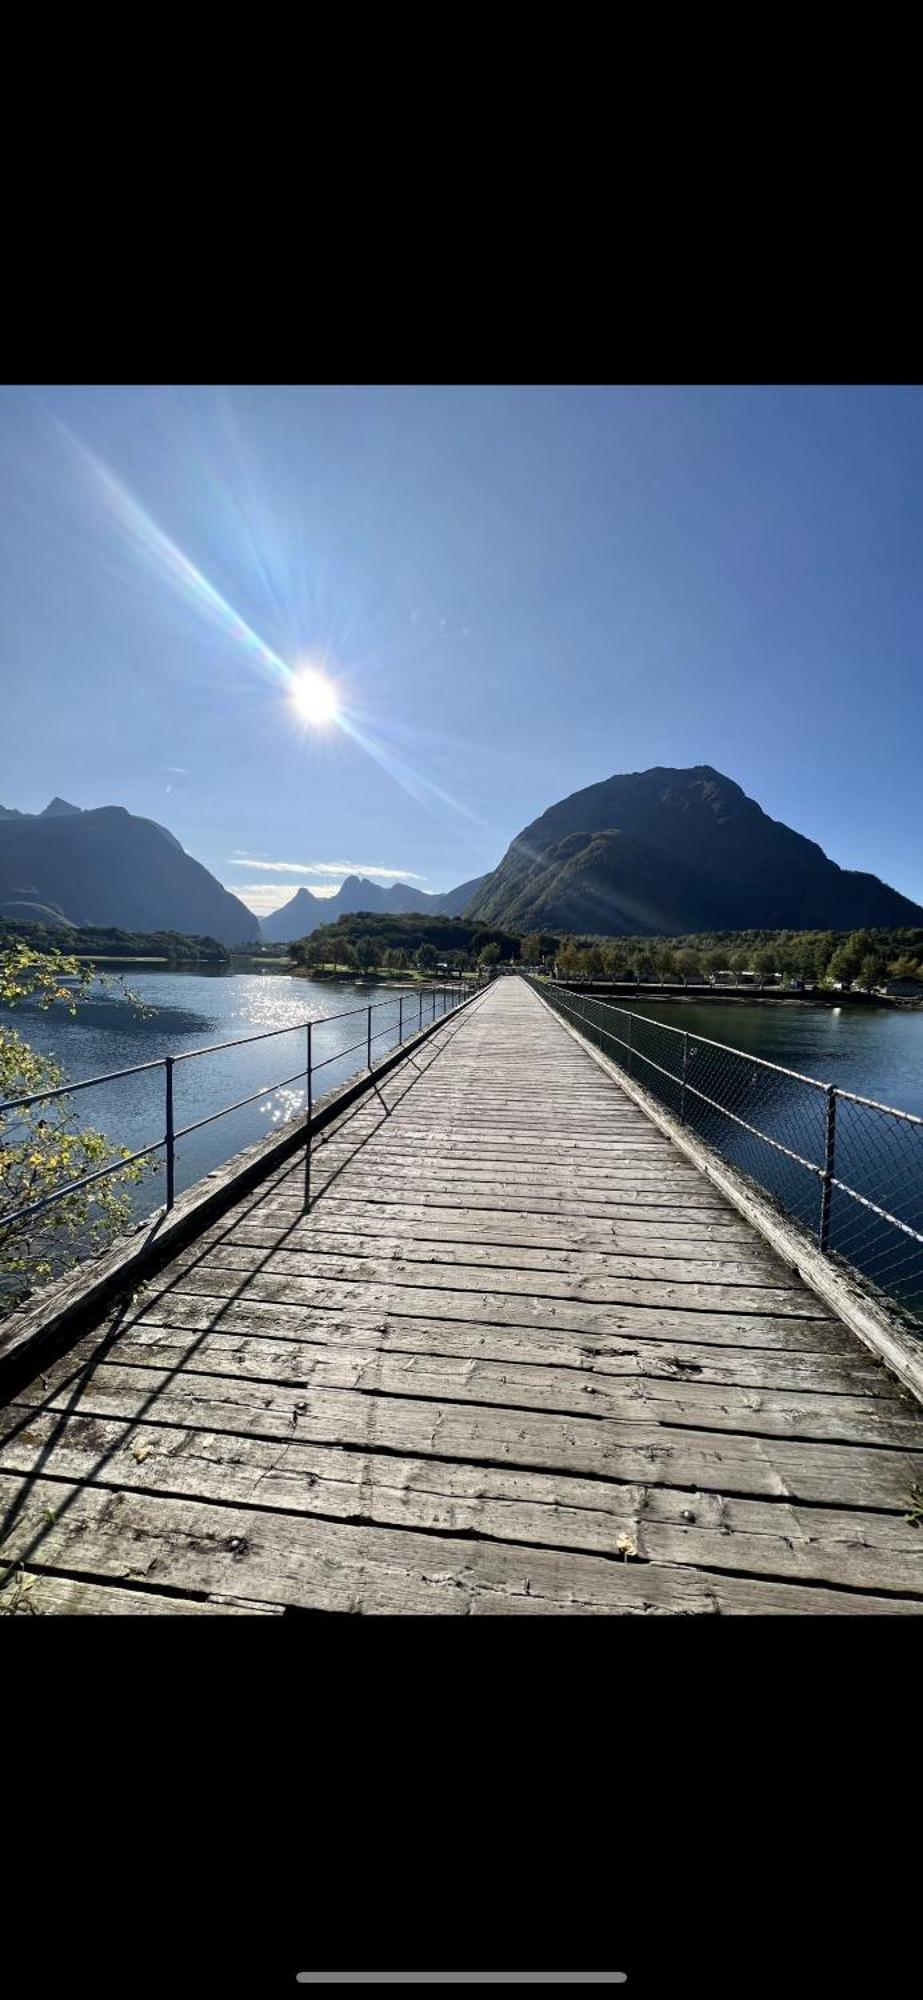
x=859, y=1312
x=66, y=1305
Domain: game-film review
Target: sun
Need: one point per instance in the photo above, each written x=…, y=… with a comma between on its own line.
x=314, y=698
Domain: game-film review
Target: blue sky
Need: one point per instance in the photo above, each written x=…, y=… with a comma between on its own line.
x=518, y=591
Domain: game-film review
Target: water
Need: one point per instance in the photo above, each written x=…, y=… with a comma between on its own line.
x=193, y=1009
x=877, y=1051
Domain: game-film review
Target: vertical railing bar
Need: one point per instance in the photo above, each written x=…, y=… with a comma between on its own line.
x=829, y=1163
x=308, y=1122
x=168, y=1136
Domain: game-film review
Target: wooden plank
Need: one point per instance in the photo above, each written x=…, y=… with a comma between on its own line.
x=336, y=1566
x=399, y=1289
x=843, y=1412
x=36, y=1593
x=245, y=1324
x=596, y=1326
x=602, y=1447
x=853, y=1549
x=461, y=1225
x=702, y=1262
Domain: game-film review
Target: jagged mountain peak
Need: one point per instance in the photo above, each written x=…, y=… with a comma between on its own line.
x=57, y=808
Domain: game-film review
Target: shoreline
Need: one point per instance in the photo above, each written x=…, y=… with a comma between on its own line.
x=696, y=996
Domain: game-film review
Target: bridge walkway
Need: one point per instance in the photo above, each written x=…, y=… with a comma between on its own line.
x=518, y=1355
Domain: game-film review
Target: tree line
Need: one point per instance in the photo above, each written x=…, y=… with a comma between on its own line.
x=369, y=943
x=865, y=958
x=365, y=942
x=109, y=942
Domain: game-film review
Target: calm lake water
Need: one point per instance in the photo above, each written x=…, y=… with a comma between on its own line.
x=194, y=1009
x=876, y=1051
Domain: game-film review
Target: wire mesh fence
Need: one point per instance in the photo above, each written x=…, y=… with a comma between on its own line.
x=848, y=1171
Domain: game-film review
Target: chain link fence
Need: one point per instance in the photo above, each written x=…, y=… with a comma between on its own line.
x=847, y=1170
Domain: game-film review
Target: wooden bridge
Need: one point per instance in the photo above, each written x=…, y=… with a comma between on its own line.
x=519, y=1355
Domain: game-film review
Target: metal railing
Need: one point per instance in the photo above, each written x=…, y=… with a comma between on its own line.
x=842, y=1166
x=422, y=1008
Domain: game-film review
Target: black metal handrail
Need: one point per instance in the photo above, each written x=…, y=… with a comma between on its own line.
x=437, y=1001
x=817, y=1129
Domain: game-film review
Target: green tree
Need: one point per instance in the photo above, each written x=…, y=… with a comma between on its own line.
x=42, y=1147
x=615, y=959
x=366, y=951
x=765, y=961
x=531, y=953
x=871, y=971
x=424, y=958
x=844, y=965
x=488, y=955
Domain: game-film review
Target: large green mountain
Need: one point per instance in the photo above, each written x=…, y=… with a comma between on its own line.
x=671, y=852
x=107, y=866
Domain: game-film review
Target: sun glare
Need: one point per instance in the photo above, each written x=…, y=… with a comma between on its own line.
x=314, y=698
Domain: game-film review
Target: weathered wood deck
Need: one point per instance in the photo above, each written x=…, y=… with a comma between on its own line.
x=519, y=1357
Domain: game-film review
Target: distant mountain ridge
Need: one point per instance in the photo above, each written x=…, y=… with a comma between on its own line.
x=107, y=866
x=672, y=852
x=304, y=912
x=659, y=852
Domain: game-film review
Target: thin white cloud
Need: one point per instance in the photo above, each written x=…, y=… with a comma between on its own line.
x=340, y=868
x=264, y=897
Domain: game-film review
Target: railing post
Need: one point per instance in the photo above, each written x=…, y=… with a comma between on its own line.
x=682, y=1094
x=827, y=1181
x=421, y=1007
x=369, y=1039
x=168, y=1137
x=307, y=1135
x=401, y=1019
x=630, y=1046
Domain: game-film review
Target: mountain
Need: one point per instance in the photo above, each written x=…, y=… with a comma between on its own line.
x=58, y=809
x=294, y=919
x=304, y=912
x=106, y=866
x=455, y=901
x=671, y=852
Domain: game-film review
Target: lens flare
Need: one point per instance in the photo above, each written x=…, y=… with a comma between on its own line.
x=314, y=697
x=310, y=694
